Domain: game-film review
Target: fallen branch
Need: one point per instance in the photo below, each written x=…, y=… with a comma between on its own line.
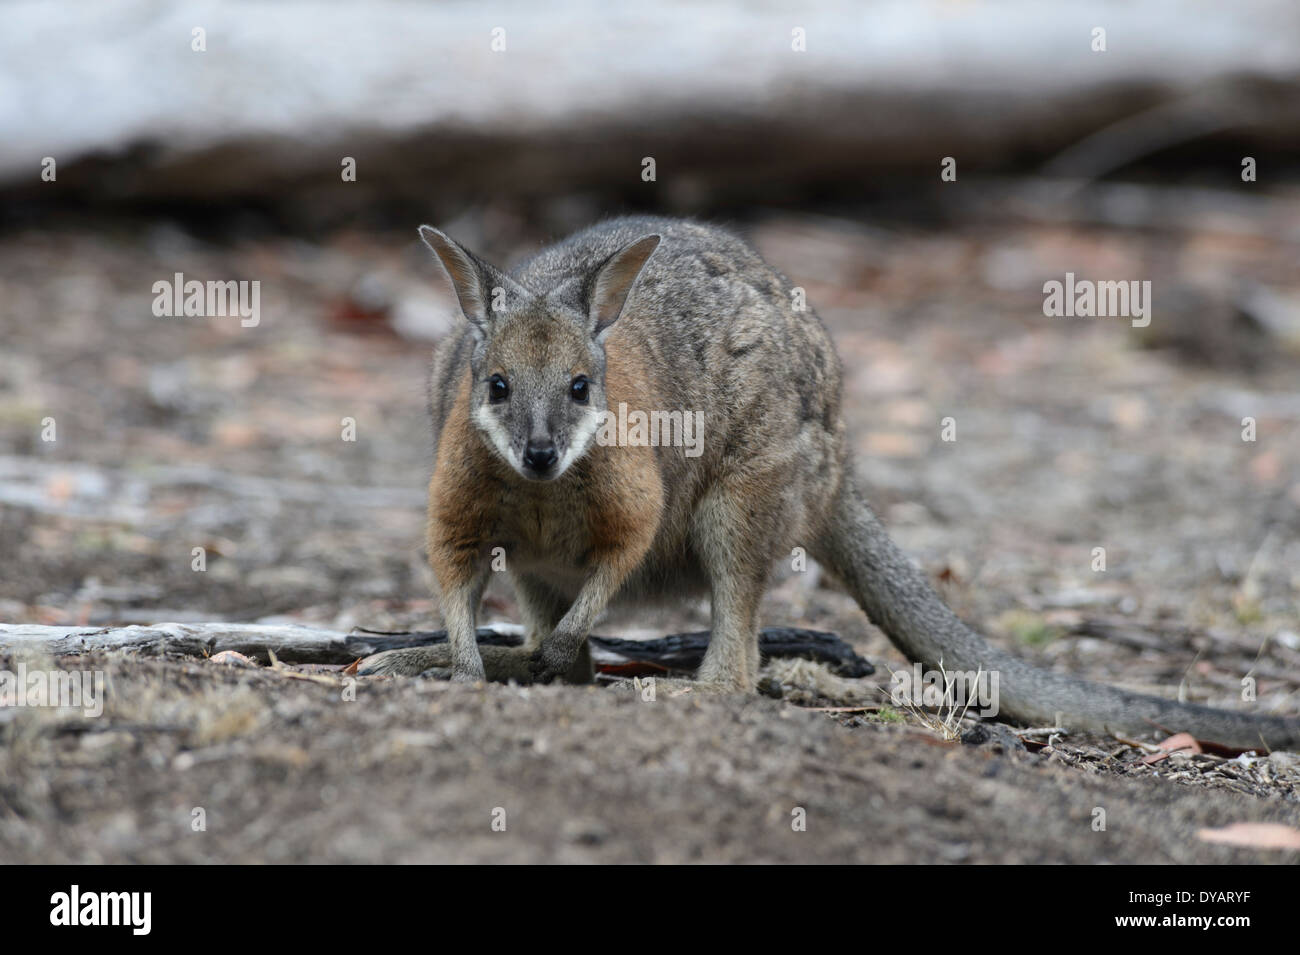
x=301, y=644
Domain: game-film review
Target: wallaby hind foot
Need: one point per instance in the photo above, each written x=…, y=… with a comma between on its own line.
x=671, y=686
x=500, y=664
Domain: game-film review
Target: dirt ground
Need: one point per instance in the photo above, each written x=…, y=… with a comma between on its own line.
x=418, y=771
x=1072, y=434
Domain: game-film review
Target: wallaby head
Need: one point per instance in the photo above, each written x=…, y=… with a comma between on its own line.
x=538, y=361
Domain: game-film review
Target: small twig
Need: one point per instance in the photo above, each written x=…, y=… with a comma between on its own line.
x=842, y=709
x=1146, y=747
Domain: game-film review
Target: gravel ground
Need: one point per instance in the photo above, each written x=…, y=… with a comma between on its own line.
x=1071, y=435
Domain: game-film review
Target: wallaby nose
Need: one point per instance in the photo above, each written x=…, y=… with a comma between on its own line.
x=539, y=456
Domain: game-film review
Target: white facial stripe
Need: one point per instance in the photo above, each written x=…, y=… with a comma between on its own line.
x=582, y=436
x=488, y=423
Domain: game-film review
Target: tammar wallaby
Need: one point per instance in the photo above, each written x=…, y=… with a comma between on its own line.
x=663, y=315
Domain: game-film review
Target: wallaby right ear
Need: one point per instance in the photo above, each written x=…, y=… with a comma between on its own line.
x=478, y=286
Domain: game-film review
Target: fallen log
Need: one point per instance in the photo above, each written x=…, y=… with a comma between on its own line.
x=302, y=644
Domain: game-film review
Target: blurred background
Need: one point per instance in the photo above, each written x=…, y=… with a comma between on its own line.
x=1155, y=142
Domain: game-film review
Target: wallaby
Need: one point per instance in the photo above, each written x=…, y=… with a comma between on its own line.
x=664, y=315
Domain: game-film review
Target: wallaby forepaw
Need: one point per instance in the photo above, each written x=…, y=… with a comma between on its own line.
x=552, y=661
x=543, y=670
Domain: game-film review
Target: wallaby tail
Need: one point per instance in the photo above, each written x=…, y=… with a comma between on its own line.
x=900, y=601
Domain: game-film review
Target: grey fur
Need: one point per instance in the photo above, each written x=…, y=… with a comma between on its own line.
x=711, y=327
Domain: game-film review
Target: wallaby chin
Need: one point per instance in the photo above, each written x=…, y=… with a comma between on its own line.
x=703, y=325
x=548, y=477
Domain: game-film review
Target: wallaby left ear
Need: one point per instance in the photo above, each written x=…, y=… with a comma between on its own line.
x=475, y=282
x=612, y=282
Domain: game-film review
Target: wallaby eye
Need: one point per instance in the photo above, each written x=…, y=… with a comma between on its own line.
x=498, y=390
x=578, y=391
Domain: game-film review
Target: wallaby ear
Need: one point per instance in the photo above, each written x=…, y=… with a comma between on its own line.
x=613, y=281
x=474, y=281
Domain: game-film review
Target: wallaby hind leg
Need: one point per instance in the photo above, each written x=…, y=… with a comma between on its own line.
x=732, y=661
x=459, y=655
x=736, y=560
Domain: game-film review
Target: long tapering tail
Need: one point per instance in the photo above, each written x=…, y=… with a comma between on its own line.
x=900, y=601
